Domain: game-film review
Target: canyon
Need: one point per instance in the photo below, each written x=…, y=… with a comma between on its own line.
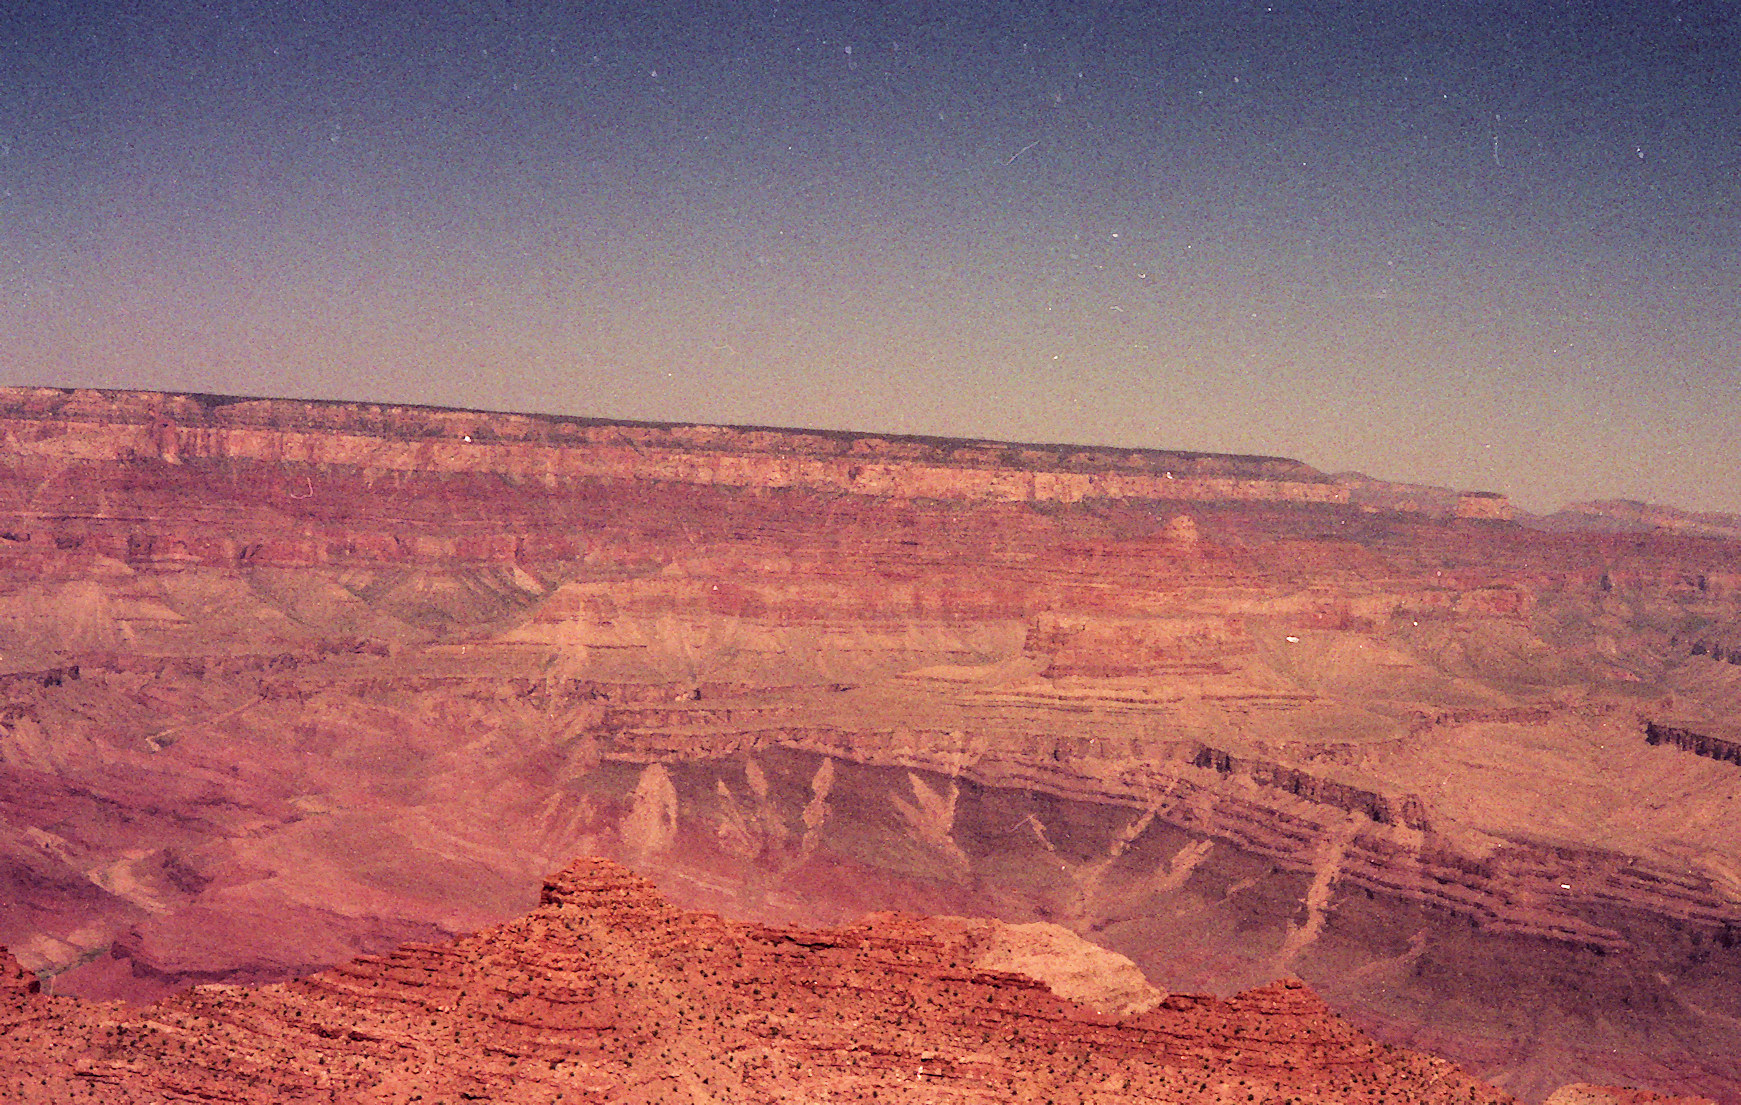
x=289, y=683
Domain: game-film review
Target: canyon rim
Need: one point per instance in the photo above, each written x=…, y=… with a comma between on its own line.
x=289, y=682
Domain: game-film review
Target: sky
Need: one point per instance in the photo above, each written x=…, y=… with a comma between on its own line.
x=1482, y=245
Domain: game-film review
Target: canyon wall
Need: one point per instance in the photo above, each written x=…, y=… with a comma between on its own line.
x=283, y=683
x=89, y=426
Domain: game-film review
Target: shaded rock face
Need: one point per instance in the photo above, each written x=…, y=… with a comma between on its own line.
x=14, y=979
x=281, y=684
x=606, y=993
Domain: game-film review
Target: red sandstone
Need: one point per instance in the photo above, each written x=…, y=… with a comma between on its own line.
x=606, y=993
x=288, y=682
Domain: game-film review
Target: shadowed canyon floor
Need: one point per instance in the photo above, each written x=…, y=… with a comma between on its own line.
x=286, y=682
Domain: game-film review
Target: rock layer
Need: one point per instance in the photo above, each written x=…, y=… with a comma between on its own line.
x=179, y=429
x=282, y=683
x=606, y=993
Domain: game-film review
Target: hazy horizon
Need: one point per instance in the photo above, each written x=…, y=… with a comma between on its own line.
x=1481, y=249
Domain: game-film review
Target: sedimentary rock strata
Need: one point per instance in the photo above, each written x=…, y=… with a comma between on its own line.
x=1699, y=744
x=81, y=426
x=286, y=683
x=606, y=993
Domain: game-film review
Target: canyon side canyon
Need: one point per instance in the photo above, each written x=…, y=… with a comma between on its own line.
x=289, y=683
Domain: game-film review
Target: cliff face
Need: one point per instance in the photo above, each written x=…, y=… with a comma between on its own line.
x=108, y=426
x=606, y=993
x=282, y=683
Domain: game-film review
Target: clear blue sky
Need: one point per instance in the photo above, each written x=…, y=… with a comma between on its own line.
x=1484, y=245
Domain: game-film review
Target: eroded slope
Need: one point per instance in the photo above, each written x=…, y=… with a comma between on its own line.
x=286, y=683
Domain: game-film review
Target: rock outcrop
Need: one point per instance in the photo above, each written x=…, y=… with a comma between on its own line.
x=607, y=993
x=283, y=683
x=1488, y=505
x=14, y=979
x=1699, y=744
x=1070, y=966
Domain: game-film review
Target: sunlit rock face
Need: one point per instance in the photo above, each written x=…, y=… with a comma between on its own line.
x=287, y=682
x=606, y=993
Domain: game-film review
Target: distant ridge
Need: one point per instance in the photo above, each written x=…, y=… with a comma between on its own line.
x=1632, y=516
x=181, y=428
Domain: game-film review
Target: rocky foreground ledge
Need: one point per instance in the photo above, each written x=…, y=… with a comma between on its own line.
x=607, y=993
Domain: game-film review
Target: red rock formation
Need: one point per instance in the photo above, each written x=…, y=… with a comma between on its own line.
x=14, y=979
x=606, y=993
x=51, y=424
x=1488, y=505
x=283, y=683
